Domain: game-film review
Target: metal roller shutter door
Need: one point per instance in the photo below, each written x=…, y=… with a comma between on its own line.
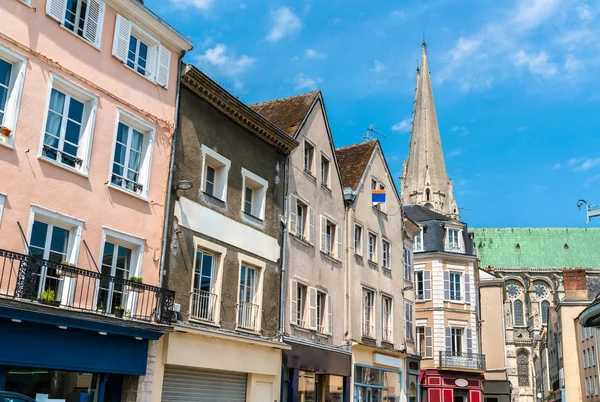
x=185, y=385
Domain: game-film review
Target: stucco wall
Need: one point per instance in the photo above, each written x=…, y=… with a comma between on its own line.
x=570, y=360
x=492, y=328
x=306, y=262
x=365, y=273
x=29, y=180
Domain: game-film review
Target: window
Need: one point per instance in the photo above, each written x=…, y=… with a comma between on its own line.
x=419, y=241
x=409, y=317
x=372, y=247
x=596, y=385
x=421, y=341
x=419, y=285
x=455, y=293
x=331, y=238
x=358, y=230
x=82, y=17
x=523, y=368
x=387, y=318
x=587, y=392
x=585, y=363
x=2, y=198
x=368, y=306
x=302, y=220
x=408, y=264
x=545, y=309
x=215, y=168
x=325, y=171
x=593, y=353
x=386, y=249
x=518, y=313
x=12, y=73
x=309, y=156
x=69, y=125
x=298, y=306
x=321, y=304
x=204, y=295
x=376, y=185
x=142, y=53
x=457, y=341
x=453, y=243
x=247, y=307
x=255, y=194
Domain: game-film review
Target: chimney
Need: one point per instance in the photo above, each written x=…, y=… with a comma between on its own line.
x=575, y=284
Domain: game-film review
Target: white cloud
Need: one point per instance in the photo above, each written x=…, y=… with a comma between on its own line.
x=285, y=23
x=462, y=130
x=464, y=48
x=199, y=4
x=584, y=163
x=228, y=63
x=585, y=12
x=398, y=14
x=590, y=180
x=531, y=13
x=301, y=81
x=378, y=66
x=313, y=54
x=537, y=63
x=456, y=152
x=572, y=63
x=557, y=166
x=403, y=126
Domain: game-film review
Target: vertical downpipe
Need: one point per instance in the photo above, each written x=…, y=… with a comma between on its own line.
x=284, y=258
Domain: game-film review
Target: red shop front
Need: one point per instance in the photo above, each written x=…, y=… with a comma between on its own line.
x=451, y=386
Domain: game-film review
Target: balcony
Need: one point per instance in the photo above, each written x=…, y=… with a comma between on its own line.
x=32, y=279
x=368, y=329
x=463, y=361
x=248, y=316
x=204, y=305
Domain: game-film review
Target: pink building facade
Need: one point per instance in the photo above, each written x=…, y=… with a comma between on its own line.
x=88, y=100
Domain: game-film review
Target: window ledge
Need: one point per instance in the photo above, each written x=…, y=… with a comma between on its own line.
x=329, y=256
x=147, y=77
x=65, y=167
x=253, y=220
x=247, y=331
x=301, y=328
x=309, y=174
x=358, y=255
x=373, y=263
x=26, y=3
x=387, y=269
x=379, y=211
x=7, y=145
x=322, y=335
x=302, y=240
x=209, y=323
x=326, y=188
x=130, y=193
x=80, y=37
x=212, y=197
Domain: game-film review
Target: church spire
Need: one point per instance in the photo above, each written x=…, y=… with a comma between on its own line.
x=425, y=181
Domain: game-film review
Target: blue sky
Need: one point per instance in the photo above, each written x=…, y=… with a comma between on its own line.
x=516, y=86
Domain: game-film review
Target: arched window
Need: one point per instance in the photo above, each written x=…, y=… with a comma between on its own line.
x=545, y=310
x=427, y=195
x=523, y=368
x=518, y=313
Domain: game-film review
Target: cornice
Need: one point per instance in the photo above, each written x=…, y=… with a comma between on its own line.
x=223, y=101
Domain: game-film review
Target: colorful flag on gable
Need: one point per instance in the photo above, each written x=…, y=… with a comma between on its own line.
x=378, y=196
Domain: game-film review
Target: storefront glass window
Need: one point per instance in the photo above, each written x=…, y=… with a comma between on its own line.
x=412, y=388
x=307, y=387
x=375, y=385
x=332, y=388
x=41, y=384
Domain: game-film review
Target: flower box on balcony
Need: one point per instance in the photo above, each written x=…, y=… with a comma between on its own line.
x=118, y=312
x=66, y=273
x=136, y=285
x=5, y=131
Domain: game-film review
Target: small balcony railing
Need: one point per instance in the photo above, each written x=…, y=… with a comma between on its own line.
x=204, y=305
x=248, y=316
x=29, y=278
x=386, y=335
x=473, y=361
x=368, y=329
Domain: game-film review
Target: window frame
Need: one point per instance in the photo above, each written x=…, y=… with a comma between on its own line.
x=153, y=46
x=88, y=123
x=360, y=242
x=458, y=340
x=62, y=18
x=453, y=291
x=387, y=322
x=14, y=92
x=312, y=148
x=420, y=345
x=302, y=294
x=327, y=175
x=386, y=256
x=378, y=185
x=409, y=269
x=459, y=243
x=2, y=201
x=221, y=172
x=372, y=254
x=366, y=291
x=419, y=283
x=416, y=241
x=259, y=194
x=409, y=320
x=259, y=267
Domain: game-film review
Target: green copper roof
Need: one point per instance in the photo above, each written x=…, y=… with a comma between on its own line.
x=538, y=248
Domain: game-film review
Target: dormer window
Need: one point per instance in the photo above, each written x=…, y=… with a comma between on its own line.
x=454, y=241
x=418, y=243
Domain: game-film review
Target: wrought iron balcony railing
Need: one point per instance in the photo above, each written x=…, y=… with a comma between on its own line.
x=473, y=361
x=368, y=329
x=204, y=305
x=248, y=316
x=29, y=278
x=386, y=334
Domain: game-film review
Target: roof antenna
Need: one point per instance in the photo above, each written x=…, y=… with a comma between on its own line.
x=371, y=131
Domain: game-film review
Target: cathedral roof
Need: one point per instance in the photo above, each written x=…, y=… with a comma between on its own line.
x=287, y=113
x=526, y=248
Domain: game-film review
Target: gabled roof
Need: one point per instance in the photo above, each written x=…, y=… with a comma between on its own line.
x=538, y=248
x=353, y=160
x=419, y=213
x=287, y=113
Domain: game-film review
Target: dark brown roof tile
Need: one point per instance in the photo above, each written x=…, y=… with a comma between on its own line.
x=287, y=113
x=353, y=160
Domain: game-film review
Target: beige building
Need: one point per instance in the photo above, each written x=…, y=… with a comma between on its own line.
x=587, y=345
x=380, y=315
x=313, y=320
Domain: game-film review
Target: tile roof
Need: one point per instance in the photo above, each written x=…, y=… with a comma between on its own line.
x=353, y=160
x=538, y=248
x=287, y=113
x=419, y=213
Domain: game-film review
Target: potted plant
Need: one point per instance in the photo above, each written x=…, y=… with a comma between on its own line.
x=118, y=311
x=5, y=131
x=66, y=273
x=135, y=286
x=128, y=313
x=48, y=297
x=100, y=308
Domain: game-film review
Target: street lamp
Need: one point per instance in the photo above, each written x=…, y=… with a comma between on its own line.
x=592, y=210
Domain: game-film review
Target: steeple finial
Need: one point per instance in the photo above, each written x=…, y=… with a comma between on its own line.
x=424, y=44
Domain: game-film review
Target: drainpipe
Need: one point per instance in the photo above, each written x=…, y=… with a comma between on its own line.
x=349, y=197
x=284, y=258
x=166, y=222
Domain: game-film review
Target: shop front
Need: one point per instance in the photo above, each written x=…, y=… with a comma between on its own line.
x=197, y=365
x=378, y=376
x=451, y=386
x=62, y=356
x=316, y=374
x=413, y=369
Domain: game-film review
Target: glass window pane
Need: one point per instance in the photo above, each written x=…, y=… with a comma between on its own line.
x=3, y=97
x=107, y=258
x=76, y=110
x=57, y=101
x=134, y=160
x=39, y=231
x=60, y=240
x=5, y=70
x=122, y=133
x=72, y=132
x=53, y=124
x=119, y=154
x=136, y=140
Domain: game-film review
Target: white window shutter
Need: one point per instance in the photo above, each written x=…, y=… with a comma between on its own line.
x=312, y=307
x=92, y=29
x=294, y=302
x=338, y=236
x=12, y=103
x=329, y=315
x=469, y=341
x=121, y=39
x=56, y=9
x=323, y=233
x=426, y=285
x=163, y=66
x=85, y=142
x=467, y=288
x=428, y=342
x=293, y=224
x=448, y=339
x=446, y=285
x=311, y=226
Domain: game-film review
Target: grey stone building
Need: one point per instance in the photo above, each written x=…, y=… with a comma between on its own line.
x=224, y=249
